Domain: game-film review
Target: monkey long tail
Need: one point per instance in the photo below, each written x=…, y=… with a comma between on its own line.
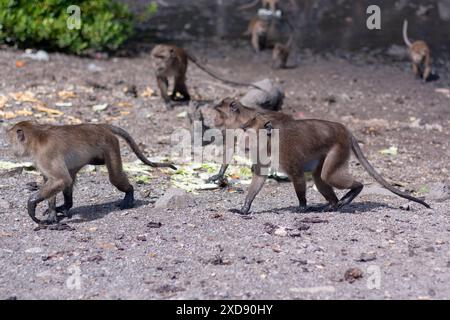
x=371, y=170
x=212, y=74
x=405, y=33
x=133, y=145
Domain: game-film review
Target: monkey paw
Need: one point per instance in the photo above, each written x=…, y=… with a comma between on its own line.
x=126, y=204
x=64, y=210
x=220, y=180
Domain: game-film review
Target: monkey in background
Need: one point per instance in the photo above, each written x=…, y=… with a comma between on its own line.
x=258, y=29
x=420, y=55
x=281, y=52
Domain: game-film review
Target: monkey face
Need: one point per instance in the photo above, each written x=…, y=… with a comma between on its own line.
x=163, y=58
x=227, y=113
x=17, y=140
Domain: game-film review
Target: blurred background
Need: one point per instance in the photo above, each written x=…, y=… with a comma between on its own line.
x=320, y=25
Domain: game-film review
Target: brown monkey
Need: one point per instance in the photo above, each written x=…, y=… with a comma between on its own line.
x=172, y=61
x=231, y=114
x=319, y=146
x=59, y=152
x=280, y=53
x=258, y=29
x=420, y=55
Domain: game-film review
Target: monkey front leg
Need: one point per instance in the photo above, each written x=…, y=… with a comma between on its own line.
x=163, y=85
x=48, y=191
x=255, y=188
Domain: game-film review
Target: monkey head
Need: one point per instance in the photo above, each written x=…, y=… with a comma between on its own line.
x=259, y=122
x=18, y=138
x=227, y=113
x=164, y=58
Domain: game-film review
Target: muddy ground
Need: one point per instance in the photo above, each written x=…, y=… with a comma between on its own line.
x=204, y=251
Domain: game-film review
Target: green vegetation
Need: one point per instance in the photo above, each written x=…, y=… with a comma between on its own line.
x=56, y=25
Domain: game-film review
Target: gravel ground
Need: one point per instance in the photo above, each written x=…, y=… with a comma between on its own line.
x=371, y=250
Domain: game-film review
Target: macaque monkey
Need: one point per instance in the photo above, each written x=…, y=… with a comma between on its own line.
x=172, y=61
x=316, y=146
x=420, y=55
x=258, y=29
x=231, y=114
x=59, y=152
x=280, y=53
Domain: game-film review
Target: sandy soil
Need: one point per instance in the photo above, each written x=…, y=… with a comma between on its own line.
x=206, y=251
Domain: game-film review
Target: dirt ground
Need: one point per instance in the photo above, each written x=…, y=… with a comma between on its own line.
x=205, y=251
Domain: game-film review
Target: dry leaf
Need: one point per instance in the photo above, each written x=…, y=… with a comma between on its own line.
x=7, y=115
x=125, y=105
x=74, y=120
x=24, y=113
x=3, y=101
x=49, y=111
x=26, y=96
x=66, y=95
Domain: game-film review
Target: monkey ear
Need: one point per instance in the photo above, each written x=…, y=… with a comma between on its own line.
x=172, y=52
x=234, y=107
x=20, y=135
x=268, y=126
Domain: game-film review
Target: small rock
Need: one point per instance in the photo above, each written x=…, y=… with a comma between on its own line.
x=367, y=256
x=314, y=220
x=40, y=55
x=270, y=227
x=100, y=107
x=294, y=233
x=175, y=198
x=281, y=232
x=4, y=205
x=141, y=237
x=97, y=258
x=439, y=192
x=34, y=250
x=154, y=224
x=353, y=274
x=406, y=206
x=270, y=99
x=302, y=226
x=94, y=68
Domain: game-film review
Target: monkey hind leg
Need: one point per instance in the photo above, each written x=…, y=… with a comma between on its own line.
x=68, y=202
x=118, y=178
x=325, y=190
x=335, y=173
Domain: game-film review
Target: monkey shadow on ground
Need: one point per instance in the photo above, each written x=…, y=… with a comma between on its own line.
x=97, y=211
x=357, y=207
